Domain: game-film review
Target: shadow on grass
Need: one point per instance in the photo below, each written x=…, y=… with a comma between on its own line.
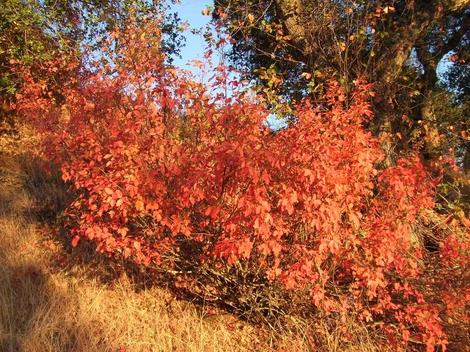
x=34, y=310
x=28, y=297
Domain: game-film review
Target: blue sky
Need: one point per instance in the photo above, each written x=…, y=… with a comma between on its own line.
x=191, y=11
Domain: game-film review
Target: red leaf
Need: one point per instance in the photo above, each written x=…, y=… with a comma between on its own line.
x=75, y=241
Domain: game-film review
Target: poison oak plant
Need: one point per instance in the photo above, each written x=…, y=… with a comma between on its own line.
x=156, y=158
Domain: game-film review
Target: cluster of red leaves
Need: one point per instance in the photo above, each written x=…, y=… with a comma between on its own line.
x=155, y=156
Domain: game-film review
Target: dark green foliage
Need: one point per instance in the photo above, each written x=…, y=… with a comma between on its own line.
x=405, y=47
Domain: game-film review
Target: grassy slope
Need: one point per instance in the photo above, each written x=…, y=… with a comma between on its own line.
x=48, y=305
x=52, y=301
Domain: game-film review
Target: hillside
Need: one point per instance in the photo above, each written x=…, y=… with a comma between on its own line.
x=53, y=298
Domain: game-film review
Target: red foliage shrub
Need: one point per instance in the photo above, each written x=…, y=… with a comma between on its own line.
x=155, y=156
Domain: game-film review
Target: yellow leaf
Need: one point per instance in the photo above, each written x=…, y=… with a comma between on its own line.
x=139, y=205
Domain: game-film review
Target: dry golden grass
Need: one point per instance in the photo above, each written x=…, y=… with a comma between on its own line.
x=48, y=302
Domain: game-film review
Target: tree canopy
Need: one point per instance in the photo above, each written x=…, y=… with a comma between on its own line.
x=416, y=52
x=33, y=32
